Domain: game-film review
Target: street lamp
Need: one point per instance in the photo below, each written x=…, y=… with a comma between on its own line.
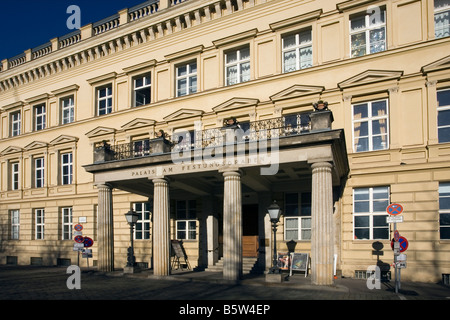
x=274, y=213
x=132, y=217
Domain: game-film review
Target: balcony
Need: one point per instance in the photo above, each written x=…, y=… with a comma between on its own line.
x=247, y=132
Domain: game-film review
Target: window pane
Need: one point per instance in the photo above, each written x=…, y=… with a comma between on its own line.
x=289, y=41
x=291, y=223
x=379, y=142
x=192, y=84
x=306, y=57
x=362, y=233
x=231, y=57
x=360, y=111
x=443, y=98
x=377, y=40
x=290, y=61
x=379, y=221
x=245, y=53
x=245, y=72
x=444, y=118
x=381, y=233
x=291, y=234
x=358, y=23
x=361, y=221
x=444, y=134
x=358, y=44
x=232, y=75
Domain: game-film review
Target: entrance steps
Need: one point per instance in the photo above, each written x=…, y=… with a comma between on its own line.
x=249, y=266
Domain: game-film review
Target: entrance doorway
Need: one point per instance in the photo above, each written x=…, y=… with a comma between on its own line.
x=250, y=242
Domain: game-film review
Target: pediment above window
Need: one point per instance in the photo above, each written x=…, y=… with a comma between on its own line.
x=138, y=123
x=297, y=91
x=64, y=139
x=11, y=150
x=183, y=114
x=438, y=65
x=369, y=77
x=236, y=103
x=100, y=131
x=36, y=145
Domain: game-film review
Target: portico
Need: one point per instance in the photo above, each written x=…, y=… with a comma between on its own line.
x=316, y=160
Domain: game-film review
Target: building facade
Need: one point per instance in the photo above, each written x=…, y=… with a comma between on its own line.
x=131, y=113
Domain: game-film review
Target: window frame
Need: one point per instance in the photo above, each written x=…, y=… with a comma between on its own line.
x=187, y=77
x=42, y=116
x=66, y=224
x=39, y=223
x=297, y=47
x=300, y=217
x=108, y=98
x=69, y=108
x=14, y=170
x=190, y=208
x=18, y=122
x=438, y=11
x=371, y=213
x=39, y=182
x=145, y=86
x=143, y=223
x=370, y=119
x=367, y=29
x=15, y=224
x=441, y=109
x=444, y=211
x=238, y=63
x=66, y=178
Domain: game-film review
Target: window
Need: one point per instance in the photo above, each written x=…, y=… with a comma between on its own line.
x=104, y=100
x=142, y=227
x=369, y=213
x=186, y=79
x=441, y=18
x=39, y=171
x=297, y=223
x=444, y=210
x=142, y=90
x=67, y=110
x=370, y=126
x=15, y=123
x=39, y=117
x=368, y=33
x=186, y=219
x=141, y=148
x=297, y=51
x=15, y=224
x=237, y=66
x=443, y=109
x=14, y=169
x=66, y=168
x=39, y=223
x=66, y=223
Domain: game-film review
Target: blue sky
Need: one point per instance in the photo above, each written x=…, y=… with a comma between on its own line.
x=26, y=24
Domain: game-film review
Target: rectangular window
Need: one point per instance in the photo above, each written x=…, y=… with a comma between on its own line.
x=15, y=123
x=443, y=110
x=39, y=223
x=297, y=216
x=370, y=126
x=441, y=18
x=237, y=66
x=186, y=220
x=66, y=168
x=186, y=79
x=39, y=117
x=444, y=210
x=104, y=100
x=15, y=176
x=142, y=90
x=67, y=110
x=15, y=224
x=368, y=33
x=297, y=51
x=39, y=171
x=66, y=223
x=369, y=213
x=141, y=148
x=142, y=227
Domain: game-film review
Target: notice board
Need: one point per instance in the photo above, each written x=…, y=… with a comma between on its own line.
x=299, y=262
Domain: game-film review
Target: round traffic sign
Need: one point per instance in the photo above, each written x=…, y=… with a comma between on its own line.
x=403, y=244
x=78, y=227
x=79, y=239
x=394, y=209
x=88, y=242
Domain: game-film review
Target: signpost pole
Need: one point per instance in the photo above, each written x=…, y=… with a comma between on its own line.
x=395, y=260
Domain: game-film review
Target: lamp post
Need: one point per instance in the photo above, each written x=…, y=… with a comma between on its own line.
x=132, y=217
x=274, y=213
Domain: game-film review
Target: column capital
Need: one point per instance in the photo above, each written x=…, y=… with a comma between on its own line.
x=157, y=180
x=103, y=185
x=231, y=171
x=321, y=164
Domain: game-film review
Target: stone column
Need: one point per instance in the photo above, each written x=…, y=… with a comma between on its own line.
x=232, y=226
x=105, y=229
x=322, y=249
x=161, y=235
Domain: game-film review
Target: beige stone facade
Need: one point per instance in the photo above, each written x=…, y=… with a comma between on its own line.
x=382, y=67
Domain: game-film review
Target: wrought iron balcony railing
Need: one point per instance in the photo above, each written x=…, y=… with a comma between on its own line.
x=289, y=125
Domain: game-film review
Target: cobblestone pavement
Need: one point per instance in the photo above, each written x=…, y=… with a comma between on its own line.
x=50, y=283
